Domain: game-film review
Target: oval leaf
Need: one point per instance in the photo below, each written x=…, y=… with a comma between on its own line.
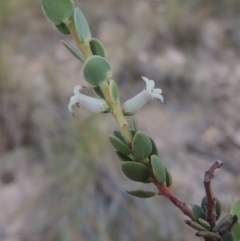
x=119, y=136
x=63, y=29
x=58, y=11
x=98, y=92
x=82, y=27
x=198, y=212
x=119, y=145
x=223, y=222
x=168, y=178
x=141, y=193
x=74, y=52
x=113, y=89
x=123, y=157
x=159, y=169
x=97, y=47
x=136, y=171
x=228, y=237
x=154, y=148
x=141, y=145
x=96, y=70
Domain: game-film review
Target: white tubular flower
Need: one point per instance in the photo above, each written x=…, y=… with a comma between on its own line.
x=134, y=104
x=93, y=104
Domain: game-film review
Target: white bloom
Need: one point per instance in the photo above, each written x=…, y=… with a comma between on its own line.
x=134, y=104
x=93, y=104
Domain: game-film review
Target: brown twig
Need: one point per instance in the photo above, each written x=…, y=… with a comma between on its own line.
x=229, y=227
x=166, y=192
x=210, y=200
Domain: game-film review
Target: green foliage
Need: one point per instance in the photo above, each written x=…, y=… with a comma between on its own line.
x=198, y=212
x=98, y=92
x=97, y=70
x=223, y=222
x=154, y=147
x=228, y=237
x=97, y=47
x=235, y=210
x=82, y=27
x=113, y=89
x=218, y=207
x=58, y=11
x=168, y=178
x=137, y=172
x=141, y=193
x=195, y=225
x=63, y=29
x=74, y=52
x=141, y=145
x=119, y=145
x=123, y=157
x=159, y=169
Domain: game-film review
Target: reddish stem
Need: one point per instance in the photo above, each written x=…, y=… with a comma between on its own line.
x=166, y=192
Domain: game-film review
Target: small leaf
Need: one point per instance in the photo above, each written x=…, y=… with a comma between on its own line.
x=136, y=171
x=235, y=210
x=217, y=206
x=195, y=225
x=123, y=157
x=154, y=148
x=228, y=237
x=198, y=212
x=208, y=234
x=204, y=223
x=63, y=29
x=96, y=70
x=223, y=222
x=119, y=145
x=74, y=52
x=159, y=169
x=133, y=132
x=82, y=27
x=97, y=90
x=141, y=193
x=113, y=89
x=58, y=11
x=168, y=178
x=97, y=47
x=141, y=145
x=119, y=136
x=135, y=124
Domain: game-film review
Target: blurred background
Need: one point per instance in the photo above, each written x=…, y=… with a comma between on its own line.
x=59, y=177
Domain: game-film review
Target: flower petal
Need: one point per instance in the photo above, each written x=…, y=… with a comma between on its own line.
x=149, y=83
x=157, y=96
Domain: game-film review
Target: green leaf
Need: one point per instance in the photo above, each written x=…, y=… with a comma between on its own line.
x=218, y=207
x=82, y=27
x=223, y=222
x=198, y=212
x=123, y=157
x=159, y=169
x=96, y=70
x=228, y=237
x=97, y=90
x=136, y=172
x=63, y=29
x=141, y=193
x=208, y=235
x=141, y=145
x=135, y=124
x=74, y=52
x=235, y=210
x=119, y=136
x=204, y=223
x=97, y=47
x=113, y=89
x=58, y=11
x=154, y=148
x=119, y=145
x=195, y=225
x=168, y=178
